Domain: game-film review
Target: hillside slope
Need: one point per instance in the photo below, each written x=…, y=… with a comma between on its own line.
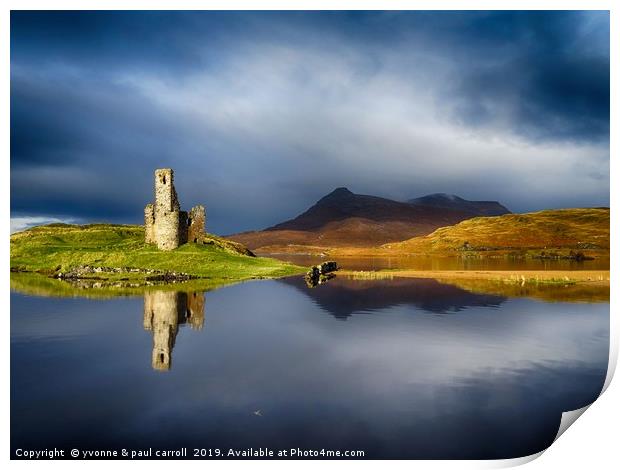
x=546, y=234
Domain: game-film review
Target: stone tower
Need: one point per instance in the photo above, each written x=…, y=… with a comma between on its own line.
x=167, y=211
x=165, y=224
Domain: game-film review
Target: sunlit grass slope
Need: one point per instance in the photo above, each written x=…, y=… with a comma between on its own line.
x=538, y=233
x=61, y=247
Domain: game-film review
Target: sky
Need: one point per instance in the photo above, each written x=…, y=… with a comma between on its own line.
x=260, y=114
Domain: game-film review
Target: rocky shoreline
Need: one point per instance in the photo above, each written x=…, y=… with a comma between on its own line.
x=95, y=276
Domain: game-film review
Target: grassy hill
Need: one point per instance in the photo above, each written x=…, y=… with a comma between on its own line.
x=62, y=248
x=546, y=234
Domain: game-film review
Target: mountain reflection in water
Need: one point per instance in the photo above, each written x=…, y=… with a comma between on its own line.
x=345, y=297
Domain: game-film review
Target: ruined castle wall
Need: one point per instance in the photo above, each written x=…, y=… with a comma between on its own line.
x=149, y=223
x=167, y=230
x=197, y=221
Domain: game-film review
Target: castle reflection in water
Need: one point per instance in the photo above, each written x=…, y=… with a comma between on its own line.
x=164, y=312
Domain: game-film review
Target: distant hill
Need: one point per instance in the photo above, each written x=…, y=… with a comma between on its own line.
x=343, y=218
x=546, y=233
x=450, y=201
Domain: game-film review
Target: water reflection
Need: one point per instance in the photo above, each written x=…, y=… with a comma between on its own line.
x=344, y=297
x=490, y=381
x=164, y=311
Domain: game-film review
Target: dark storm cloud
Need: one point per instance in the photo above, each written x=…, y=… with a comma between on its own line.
x=261, y=113
x=77, y=147
x=550, y=71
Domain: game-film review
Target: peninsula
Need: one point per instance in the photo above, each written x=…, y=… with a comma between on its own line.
x=171, y=247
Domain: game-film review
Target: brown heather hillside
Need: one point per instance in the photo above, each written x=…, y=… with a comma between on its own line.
x=547, y=233
x=352, y=232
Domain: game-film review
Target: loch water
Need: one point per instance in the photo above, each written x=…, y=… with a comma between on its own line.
x=397, y=368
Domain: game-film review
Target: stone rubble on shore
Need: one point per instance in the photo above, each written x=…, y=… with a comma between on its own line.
x=90, y=272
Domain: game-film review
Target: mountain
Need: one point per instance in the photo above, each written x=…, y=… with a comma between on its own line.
x=450, y=201
x=343, y=218
x=341, y=204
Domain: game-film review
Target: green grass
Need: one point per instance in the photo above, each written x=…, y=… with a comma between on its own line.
x=57, y=248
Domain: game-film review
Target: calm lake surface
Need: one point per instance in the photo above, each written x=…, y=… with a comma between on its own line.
x=438, y=263
x=402, y=368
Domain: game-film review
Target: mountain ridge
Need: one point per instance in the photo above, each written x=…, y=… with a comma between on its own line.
x=344, y=218
x=481, y=208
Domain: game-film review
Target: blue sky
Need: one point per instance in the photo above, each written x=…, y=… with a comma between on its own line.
x=262, y=113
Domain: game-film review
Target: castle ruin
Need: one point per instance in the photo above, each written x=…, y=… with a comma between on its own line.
x=165, y=224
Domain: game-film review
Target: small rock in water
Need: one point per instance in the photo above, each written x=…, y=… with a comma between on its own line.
x=320, y=273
